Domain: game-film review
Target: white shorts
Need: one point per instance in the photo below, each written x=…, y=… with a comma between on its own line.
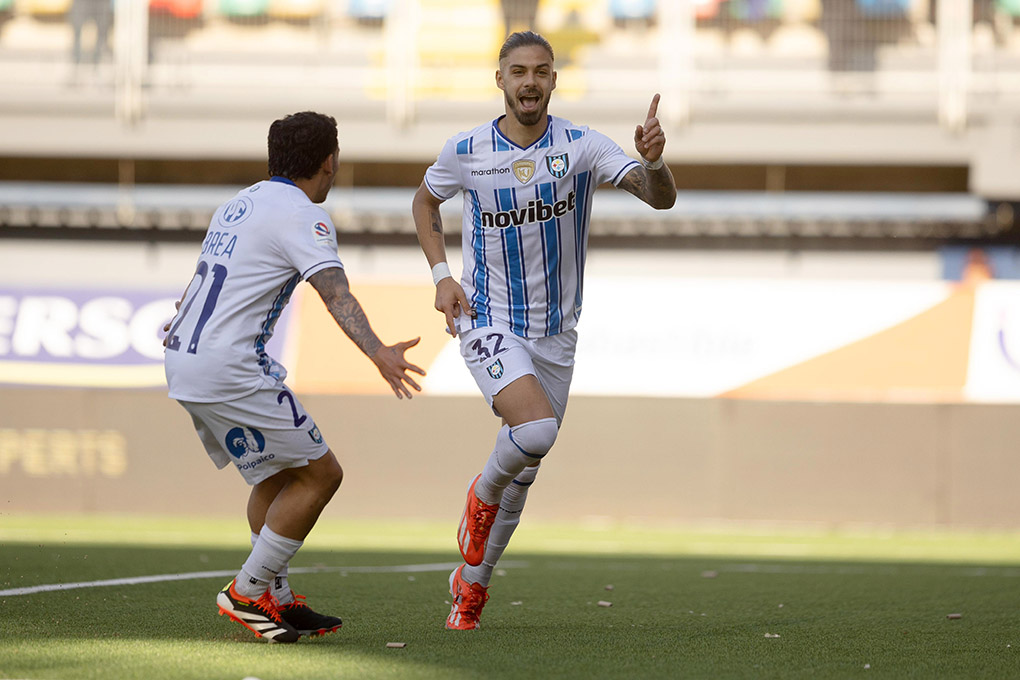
x=260, y=434
x=496, y=357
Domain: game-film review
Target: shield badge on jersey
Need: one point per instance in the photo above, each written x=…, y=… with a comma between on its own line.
x=524, y=171
x=496, y=369
x=558, y=165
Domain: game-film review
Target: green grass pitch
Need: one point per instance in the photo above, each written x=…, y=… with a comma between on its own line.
x=686, y=603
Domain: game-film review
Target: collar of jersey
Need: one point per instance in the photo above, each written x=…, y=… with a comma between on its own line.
x=284, y=180
x=548, y=131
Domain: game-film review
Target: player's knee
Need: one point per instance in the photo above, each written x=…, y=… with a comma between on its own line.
x=535, y=437
x=330, y=475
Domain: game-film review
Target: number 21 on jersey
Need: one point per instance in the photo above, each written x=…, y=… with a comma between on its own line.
x=219, y=275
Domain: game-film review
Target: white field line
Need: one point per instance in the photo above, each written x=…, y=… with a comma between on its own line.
x=160, y=578
x=1008, y=572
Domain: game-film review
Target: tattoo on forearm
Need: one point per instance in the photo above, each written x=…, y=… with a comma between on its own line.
x=661, y=182
x=653, y=187
x=437, y=221
x=348, y=313
x=345, y=308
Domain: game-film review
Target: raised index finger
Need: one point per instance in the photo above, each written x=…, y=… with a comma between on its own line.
x=654, y=107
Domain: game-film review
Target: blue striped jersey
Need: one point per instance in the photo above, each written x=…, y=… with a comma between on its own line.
x=260, y=244
x=525, y=222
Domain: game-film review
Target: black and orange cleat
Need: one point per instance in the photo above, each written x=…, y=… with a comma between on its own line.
x=306, y=620
x=260, y=616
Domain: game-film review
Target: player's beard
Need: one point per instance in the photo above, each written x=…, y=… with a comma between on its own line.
x=528, y=117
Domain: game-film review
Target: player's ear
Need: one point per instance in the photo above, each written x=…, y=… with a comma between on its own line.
x=499, y=79
x=554, y=80
x=329, y=166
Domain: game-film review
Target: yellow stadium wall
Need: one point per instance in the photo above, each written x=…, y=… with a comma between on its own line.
x=682, y=460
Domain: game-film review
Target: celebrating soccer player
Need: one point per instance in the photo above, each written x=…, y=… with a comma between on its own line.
x=527, y=179
x=259, y=246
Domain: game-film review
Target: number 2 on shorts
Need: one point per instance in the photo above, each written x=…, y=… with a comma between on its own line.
x=293, y=407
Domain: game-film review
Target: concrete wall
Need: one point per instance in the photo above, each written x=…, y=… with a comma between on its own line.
x=662, y=459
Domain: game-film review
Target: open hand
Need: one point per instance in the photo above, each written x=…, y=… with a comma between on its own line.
x=390, y=361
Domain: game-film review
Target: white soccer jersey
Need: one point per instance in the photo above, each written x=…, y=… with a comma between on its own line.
x=526, y=215
x=259, y=246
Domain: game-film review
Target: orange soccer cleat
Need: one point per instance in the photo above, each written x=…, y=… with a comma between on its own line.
x=468, y=600
x=473, y=533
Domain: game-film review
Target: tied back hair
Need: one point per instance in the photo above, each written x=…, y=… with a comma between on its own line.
x=523, y=39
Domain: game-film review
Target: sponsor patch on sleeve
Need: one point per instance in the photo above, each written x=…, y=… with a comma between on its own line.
x=322, y=233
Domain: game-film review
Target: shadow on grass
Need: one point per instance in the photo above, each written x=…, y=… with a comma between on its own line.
x=666, y=616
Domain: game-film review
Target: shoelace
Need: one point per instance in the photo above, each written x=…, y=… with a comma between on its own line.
x=299, y=602
x=471, y=603
x=267, y=605
x=484, y=517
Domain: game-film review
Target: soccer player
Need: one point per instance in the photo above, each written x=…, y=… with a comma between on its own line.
x=259, y=246
x=527, y=179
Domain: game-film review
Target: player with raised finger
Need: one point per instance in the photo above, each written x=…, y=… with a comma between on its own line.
x=527, y=180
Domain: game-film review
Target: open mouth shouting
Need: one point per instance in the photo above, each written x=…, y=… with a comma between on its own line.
x=529, y=106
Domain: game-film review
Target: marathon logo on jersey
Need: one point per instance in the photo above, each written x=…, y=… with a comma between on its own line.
x=235, y=212
x=489, y=171
x=558, y=165
x=241, y=441
x=534, y=211
x=496, y=369
x=524, y=171
x=321, y=232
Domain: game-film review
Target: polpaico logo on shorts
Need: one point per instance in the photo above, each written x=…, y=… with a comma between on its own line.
x=496, y=369
x=241, y=441
x=315, y=434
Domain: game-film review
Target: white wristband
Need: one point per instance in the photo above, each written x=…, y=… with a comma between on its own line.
x=650, y=165
x=440, y=272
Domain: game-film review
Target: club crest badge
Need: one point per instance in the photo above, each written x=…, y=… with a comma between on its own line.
x=315, y=434
x=524, y=171
x=496, y=369
x=558, y=165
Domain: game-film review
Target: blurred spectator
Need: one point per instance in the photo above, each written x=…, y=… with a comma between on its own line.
x=97, y=12
x=519, y=15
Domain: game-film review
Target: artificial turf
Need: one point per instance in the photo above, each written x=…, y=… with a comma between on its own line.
x=679, y=608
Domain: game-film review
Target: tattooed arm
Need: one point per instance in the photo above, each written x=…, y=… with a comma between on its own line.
x=450, y=297
x=653, y=186
x=335, y=291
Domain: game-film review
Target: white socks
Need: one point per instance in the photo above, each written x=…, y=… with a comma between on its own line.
x=269, y=557
x=507, y=519
x=279, y=587
x=516, y=448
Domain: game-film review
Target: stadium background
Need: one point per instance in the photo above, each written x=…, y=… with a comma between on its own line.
x=824, y=329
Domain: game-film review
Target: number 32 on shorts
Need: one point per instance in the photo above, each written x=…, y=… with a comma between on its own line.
x=492, y=345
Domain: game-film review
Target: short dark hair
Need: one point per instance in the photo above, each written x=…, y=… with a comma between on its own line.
x=299, y=143
x=522, y=39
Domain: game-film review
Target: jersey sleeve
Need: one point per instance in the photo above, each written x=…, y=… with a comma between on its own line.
x=609, y=161
x=311, y=244
x=443, y=177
